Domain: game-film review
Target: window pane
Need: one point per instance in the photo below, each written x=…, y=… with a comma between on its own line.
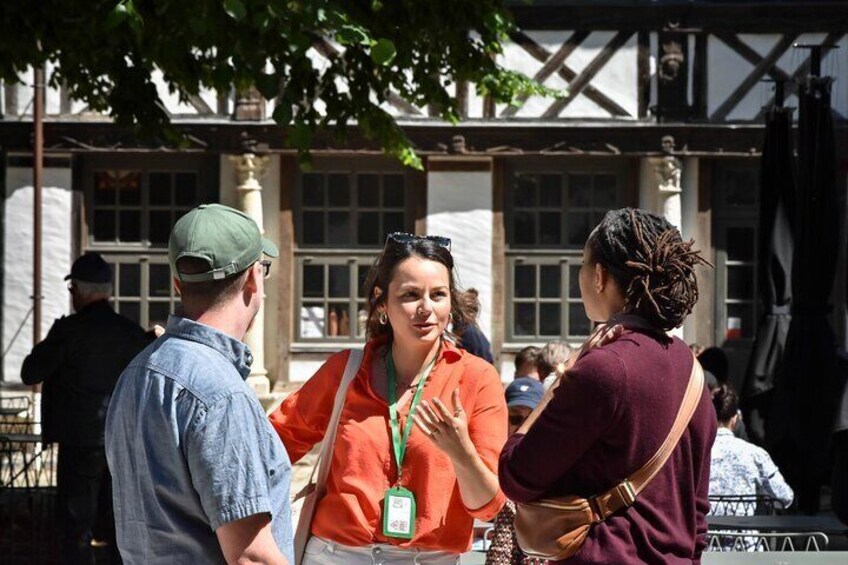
x=550, y=281
x=579, y=191
x=369, y=228
x=160, y=188
x=312, y=320
x=105, y=190
x=104, y=225
x=524, y=322
x=550, y=191
x=130, y=225
x=574, y=281
x=130, y=279
x=740, y=244
x=338, y=190
x=362, y=274
x=369, y=190
x=606, y=194
x=579, y=227
x=524, y=228
x=157, y=313
x=338, y=319
x=549, y=319
x=160, y=226
x=339, y=281
x=160, y=280
x=525, y=190
x=131, y=310
x=578, y=323
x=185, y=193
x=740, y=187
x=393, y=191
x=740, y=282
x=392, y=222
x=129, y=187
x=740, y=321
x=313, y=281
x=550, y=228
x=313, y=189
x=525, y=281
x=313, y=227
x=338, y=231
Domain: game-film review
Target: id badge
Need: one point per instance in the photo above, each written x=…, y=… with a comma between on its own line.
x=399, y=513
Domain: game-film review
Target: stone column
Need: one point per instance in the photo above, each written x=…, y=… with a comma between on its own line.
x=249, y=169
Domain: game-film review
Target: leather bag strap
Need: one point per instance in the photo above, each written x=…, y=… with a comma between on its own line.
x=624, y=494
x=325, y=456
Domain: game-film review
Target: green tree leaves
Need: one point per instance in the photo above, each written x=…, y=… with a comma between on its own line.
x=327, y=64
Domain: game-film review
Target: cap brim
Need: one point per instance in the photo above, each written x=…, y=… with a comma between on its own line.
x=67, y=277
x=524, y=403
x=269, y=248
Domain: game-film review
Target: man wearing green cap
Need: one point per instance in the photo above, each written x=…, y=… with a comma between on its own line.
x=199, y=475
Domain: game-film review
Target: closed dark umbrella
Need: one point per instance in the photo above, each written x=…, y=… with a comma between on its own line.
x=802, y=416
x=775, y=243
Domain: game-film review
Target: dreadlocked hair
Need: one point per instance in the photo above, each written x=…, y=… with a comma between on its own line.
x=650, y=262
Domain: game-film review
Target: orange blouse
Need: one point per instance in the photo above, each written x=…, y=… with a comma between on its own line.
x=363, y=466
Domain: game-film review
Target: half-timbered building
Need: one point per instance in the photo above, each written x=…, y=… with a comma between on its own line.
x=664, y=110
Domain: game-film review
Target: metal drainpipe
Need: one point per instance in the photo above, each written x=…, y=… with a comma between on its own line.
x=37, y=163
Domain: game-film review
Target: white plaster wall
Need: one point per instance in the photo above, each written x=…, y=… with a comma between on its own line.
x=18, y=260
x=459, y=206
x=271, y=220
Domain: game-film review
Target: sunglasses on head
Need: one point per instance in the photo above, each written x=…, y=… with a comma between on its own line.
x=402, y=238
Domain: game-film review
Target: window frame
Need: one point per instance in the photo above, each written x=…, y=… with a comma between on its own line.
x=563, y=254
x=351, y=253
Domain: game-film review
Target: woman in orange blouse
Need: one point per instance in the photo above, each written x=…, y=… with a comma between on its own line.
x=449, y=460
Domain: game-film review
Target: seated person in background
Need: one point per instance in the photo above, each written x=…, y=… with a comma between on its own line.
x=525, y=363
x=739, y=468
x=522, y=396
x=552, y=360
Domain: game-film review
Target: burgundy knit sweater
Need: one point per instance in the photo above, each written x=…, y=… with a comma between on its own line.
x=606, y=419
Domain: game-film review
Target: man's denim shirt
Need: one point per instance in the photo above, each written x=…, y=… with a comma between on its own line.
x=190, y=449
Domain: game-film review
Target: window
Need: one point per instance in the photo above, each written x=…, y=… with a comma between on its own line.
x=735, y=224
x=132, y=202
x=550, y=211
x=546, y=301
x=344, y=213
x=143, y=291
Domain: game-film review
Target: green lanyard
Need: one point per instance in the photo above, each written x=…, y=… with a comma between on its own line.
x=398, y=444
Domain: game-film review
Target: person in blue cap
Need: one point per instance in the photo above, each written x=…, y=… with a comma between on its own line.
x=522, y=396
x=79, y=363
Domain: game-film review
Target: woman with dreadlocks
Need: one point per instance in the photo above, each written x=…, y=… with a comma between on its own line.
x=615, y=405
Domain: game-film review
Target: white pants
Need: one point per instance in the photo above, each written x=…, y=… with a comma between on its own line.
x=322, y=552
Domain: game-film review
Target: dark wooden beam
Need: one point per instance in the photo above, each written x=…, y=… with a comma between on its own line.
x=565, y=72
x=754, y=77
x=580, y=82
x=742, y=49
x=700, y=77
x=643, y=78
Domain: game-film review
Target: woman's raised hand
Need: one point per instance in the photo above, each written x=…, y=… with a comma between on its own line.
x=447, y=429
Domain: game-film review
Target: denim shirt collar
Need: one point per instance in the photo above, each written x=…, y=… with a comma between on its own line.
x=237, y=352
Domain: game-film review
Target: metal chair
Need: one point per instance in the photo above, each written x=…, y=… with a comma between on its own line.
x=745, y=505
x=724, y=541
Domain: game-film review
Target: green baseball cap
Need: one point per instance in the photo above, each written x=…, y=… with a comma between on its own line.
x=227, y=239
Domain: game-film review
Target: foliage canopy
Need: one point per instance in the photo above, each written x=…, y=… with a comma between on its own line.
x=105, y=52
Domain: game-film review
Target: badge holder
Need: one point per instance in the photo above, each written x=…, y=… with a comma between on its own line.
x=399, y=513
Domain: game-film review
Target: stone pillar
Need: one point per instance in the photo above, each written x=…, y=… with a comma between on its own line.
x=661, y=188
x=249, y=169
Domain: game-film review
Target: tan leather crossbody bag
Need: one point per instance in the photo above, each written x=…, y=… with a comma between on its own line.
x=555, y=528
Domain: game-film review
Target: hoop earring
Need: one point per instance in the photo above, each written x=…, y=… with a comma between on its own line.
x=383, y=319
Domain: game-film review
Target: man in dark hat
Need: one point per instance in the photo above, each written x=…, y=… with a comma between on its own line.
x=79, y=363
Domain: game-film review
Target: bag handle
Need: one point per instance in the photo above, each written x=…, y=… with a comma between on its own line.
x=325, y=456
x=624, y=494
